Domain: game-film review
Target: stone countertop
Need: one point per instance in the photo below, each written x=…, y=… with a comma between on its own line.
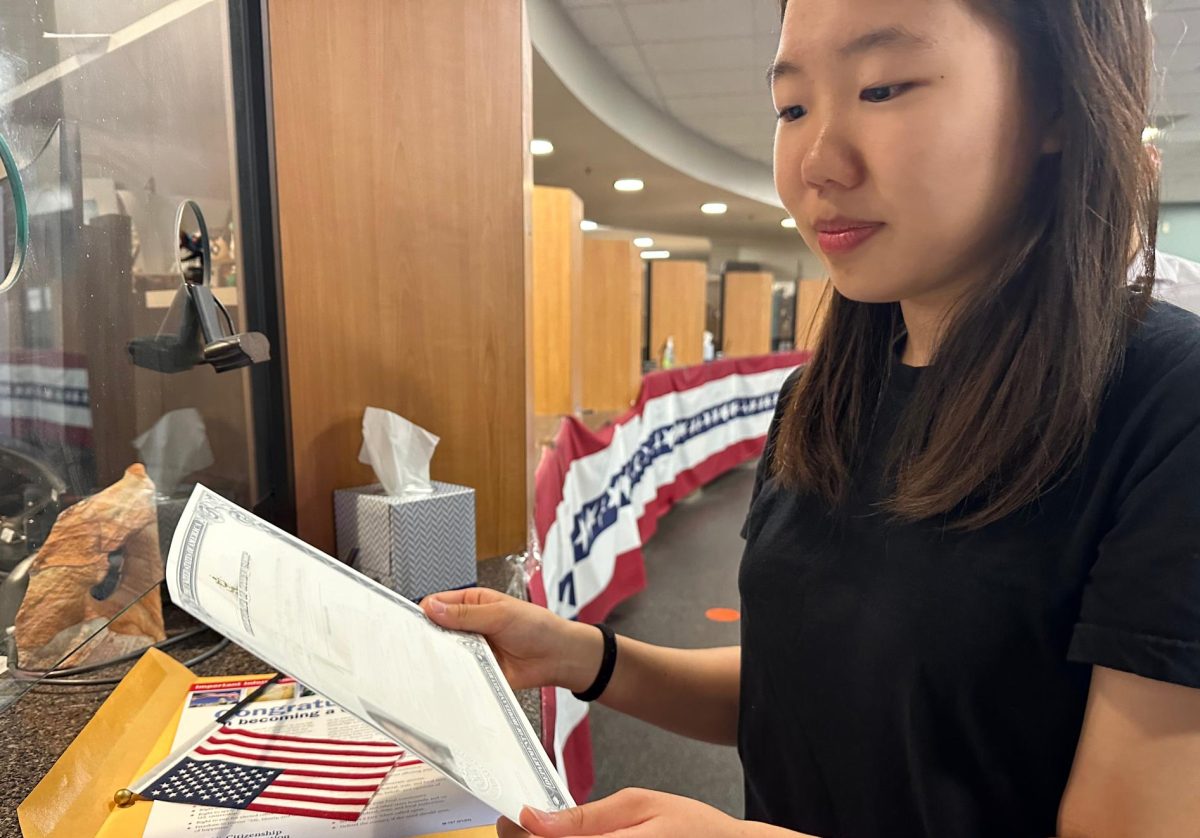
x=38, y=728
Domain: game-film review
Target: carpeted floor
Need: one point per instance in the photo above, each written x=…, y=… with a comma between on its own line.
x=691, y=565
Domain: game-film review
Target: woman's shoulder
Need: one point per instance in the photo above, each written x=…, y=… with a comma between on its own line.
x=792, y=380
x=1165, y=344
x=1161, y=369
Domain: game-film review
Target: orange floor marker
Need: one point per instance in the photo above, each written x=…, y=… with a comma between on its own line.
x=723, y=615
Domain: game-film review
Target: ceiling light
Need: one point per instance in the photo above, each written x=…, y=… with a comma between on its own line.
x=788, y=224
x=714, y=209
x=83, y=36
x=629, y=185
x=643, y=241
x=588, y=226
x=1151, y=134
x=656, y=254
x=540, y=148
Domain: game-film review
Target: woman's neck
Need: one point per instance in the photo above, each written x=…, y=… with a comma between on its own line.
x=925, y=320
x=922, y=328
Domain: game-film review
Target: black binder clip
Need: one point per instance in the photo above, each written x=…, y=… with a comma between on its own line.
x=201, y=338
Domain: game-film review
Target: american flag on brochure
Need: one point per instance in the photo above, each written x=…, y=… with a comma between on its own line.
x=234, y=768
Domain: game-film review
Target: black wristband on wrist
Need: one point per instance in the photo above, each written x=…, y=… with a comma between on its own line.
x=608, y=663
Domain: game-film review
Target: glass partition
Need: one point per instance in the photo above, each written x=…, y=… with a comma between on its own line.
x=116, y=394
x=783, y=315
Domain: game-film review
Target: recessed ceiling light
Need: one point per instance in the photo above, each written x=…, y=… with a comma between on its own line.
x=540, y=148
x=643, y=241
x=788, y=223
x=83, y=36
x=714, y=209
x=629, y=185
x=588, y=226
x=656, y=254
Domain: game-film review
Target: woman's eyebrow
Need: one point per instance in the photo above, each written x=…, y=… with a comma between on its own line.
x=890, y=37
x=782, y=69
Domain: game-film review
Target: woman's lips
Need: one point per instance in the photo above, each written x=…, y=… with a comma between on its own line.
x=839, y=241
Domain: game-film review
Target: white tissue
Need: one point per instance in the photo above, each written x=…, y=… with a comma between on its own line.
x=398, y=451
x=176, y=446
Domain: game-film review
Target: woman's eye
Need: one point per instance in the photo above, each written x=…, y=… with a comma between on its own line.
x=883, y=93
x=792, y=114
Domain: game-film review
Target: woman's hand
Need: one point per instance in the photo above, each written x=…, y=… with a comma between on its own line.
x=534, y=647
x=636, y=813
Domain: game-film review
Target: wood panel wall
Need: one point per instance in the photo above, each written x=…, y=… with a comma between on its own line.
x=677, y=309
x=747, y=317
x=611, y=326
x=557, y=347
x=402, y=135
x=812, y=306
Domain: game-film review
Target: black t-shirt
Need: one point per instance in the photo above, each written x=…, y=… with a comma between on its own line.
x=906, y=680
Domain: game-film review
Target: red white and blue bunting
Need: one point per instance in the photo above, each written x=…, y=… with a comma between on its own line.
x=600, y=496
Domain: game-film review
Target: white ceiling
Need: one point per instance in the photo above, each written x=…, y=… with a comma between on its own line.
x=703, y=62
x=589, y=156
x=1177, y=68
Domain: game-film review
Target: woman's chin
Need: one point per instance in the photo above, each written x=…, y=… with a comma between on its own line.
x=860, y=290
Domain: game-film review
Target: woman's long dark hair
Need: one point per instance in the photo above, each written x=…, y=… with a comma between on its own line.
x=1015, y=385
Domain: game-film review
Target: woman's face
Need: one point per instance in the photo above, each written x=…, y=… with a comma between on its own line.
x=905, y=143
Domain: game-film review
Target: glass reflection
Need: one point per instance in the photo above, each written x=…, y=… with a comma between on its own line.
x=116, y=113
x=14, y=220
x=783, y=315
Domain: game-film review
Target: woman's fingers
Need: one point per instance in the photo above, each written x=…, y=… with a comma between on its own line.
x=507, y=829
x=469, y=610
x=623, y=810
x=471, y=596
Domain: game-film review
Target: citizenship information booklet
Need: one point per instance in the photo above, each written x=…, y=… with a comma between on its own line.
x=411, y=798
x=438, y=694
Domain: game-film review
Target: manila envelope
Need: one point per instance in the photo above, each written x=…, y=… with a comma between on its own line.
x=130, y=734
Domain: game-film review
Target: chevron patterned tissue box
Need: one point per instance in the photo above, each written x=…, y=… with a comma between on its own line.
x=417, y=545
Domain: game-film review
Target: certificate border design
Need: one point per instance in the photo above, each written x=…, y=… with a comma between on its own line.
x=479, y=651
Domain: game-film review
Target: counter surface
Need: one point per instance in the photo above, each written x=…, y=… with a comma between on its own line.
x=38, y=728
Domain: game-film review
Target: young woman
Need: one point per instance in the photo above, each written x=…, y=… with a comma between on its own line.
x=971, y=584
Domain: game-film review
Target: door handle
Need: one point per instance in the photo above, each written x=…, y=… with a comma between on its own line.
x=22, y=219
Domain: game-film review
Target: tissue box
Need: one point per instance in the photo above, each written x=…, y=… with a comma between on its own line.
x=417, y=545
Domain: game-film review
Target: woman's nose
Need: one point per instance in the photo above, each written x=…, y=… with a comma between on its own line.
x=829, y=159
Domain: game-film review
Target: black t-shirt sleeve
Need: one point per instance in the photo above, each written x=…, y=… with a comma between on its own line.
x=1141, y=604
x=764, y=462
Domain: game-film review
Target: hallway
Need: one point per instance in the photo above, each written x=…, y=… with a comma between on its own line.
x=691, y=565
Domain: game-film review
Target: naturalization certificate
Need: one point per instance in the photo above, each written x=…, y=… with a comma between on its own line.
x=437, y=693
